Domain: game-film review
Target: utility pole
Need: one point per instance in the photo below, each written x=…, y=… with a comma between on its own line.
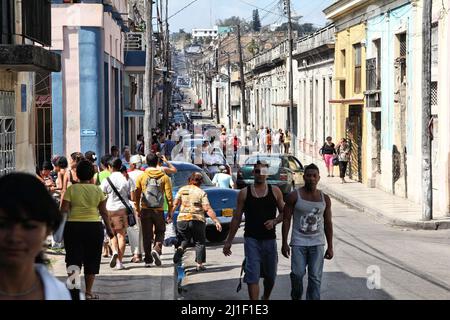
x=427, y=181
x=148, y=76
x=217, y=87
x=243, y=104
x=168, y=82
x=290, y=124
x=230, y=117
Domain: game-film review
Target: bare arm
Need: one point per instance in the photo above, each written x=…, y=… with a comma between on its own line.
x=170, y=169
x=328, y=225
x=210, y=212
x=175, y=206
x=270, y=224
x=235, y=221
x=287, y=216
x=104, y=215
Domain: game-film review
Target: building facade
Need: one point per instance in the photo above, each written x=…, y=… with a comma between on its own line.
x=87, y=93
x=314, y=90
x=24, y=68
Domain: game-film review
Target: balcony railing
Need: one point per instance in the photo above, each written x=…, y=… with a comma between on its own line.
x=319, y=38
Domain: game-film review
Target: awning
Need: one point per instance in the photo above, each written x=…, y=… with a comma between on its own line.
x=283, y=104
x=135, y=113
x=346, y=101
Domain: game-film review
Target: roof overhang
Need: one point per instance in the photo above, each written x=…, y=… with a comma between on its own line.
x=29, y=58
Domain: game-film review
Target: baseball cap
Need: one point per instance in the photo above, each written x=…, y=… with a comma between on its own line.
x=135, y=159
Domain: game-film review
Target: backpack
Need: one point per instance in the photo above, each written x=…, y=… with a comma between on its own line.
x=153, y=196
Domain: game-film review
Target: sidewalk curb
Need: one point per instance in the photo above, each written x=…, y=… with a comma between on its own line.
x=354, y=203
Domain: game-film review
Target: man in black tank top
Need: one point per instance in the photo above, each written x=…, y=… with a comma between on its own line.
x=260, y=202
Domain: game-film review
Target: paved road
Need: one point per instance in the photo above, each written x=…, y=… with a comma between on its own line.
x=413, y=264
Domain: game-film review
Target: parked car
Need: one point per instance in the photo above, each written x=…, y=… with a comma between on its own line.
x=223, y=201
x=285, y=171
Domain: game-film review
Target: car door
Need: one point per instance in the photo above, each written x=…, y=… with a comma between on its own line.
x=296, y=168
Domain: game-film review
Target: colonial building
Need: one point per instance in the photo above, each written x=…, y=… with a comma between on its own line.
x=25, y=65
x=314, y=90
x=87, y=93
x=349, y=101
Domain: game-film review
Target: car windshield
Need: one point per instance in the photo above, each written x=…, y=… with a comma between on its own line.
x=180, y=178
x=274, y=162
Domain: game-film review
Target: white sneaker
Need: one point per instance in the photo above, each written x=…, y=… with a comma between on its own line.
x=148, y=265
x=120, y=266
x=113, y=261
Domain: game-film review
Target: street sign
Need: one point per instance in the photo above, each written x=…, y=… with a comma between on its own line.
x=88, y=133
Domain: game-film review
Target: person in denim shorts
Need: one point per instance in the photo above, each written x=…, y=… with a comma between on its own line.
x=260, y=202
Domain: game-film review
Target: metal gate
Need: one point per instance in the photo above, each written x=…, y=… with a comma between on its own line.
x=354, y=135
x=7, y=133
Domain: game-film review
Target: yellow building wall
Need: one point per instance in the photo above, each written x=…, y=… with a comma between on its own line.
x=345, y=40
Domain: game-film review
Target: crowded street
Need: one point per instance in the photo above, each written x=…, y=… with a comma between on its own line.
x=235, y=150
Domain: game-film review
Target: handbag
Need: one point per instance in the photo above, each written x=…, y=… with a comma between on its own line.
x=336, y=161
x=130, y=213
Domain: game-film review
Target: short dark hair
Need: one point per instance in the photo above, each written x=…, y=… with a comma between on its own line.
x=77, y=156
x=85, y=170
x=36, y=204
x=152, y=159
x=107, y=160
x=117, y=164
x=62, y=162
x=91, y=156
x=311, y=166
x=114, y=148
x=46, y=165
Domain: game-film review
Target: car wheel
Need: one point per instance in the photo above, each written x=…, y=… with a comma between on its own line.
x=215, y=236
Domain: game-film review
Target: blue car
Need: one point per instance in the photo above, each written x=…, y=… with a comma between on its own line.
x=223, y=201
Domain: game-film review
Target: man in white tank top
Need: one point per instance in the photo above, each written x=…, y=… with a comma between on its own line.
x=310, y=210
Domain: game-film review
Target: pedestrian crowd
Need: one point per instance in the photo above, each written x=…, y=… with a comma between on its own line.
x=127, y=194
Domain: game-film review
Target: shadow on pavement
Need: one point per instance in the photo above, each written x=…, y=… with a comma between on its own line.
x=335, y=286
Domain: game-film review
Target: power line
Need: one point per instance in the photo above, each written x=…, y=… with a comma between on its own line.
x=188, y=5
x=252, y=5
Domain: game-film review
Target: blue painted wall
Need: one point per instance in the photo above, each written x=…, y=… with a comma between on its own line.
x=106, y=107
x=57, y=113
x=91, y=85
x=386, y=27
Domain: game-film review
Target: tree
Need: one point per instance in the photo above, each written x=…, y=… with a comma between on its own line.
x=302, y=29
x=233, y=21
x=256, y=23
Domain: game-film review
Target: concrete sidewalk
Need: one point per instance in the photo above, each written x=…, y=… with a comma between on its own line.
x=385, y=207
x=134, y=283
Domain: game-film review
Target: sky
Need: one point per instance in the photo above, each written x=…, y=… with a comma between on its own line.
x=204, y=13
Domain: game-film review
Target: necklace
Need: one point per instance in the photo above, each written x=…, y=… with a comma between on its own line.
x=256, y=193
x=21, y=294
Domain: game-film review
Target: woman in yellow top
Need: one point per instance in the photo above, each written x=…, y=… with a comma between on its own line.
x=83, y=233
x=191, y=219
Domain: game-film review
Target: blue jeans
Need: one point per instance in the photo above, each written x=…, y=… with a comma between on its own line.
x=261, y=261
x=313, y=258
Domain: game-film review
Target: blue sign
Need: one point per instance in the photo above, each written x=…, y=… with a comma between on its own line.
x=88, y=133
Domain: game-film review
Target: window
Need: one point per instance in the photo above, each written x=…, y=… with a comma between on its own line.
x=357, y=73
x=6, y=21
x=343, y=59
x=434, y=93
x=377, y=47
x=342, y=89
x=36, y=21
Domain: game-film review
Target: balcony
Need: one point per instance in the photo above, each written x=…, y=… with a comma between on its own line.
x=17, y=49
x=322, y=39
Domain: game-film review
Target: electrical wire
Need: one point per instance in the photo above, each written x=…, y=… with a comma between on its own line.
x=182, y=9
